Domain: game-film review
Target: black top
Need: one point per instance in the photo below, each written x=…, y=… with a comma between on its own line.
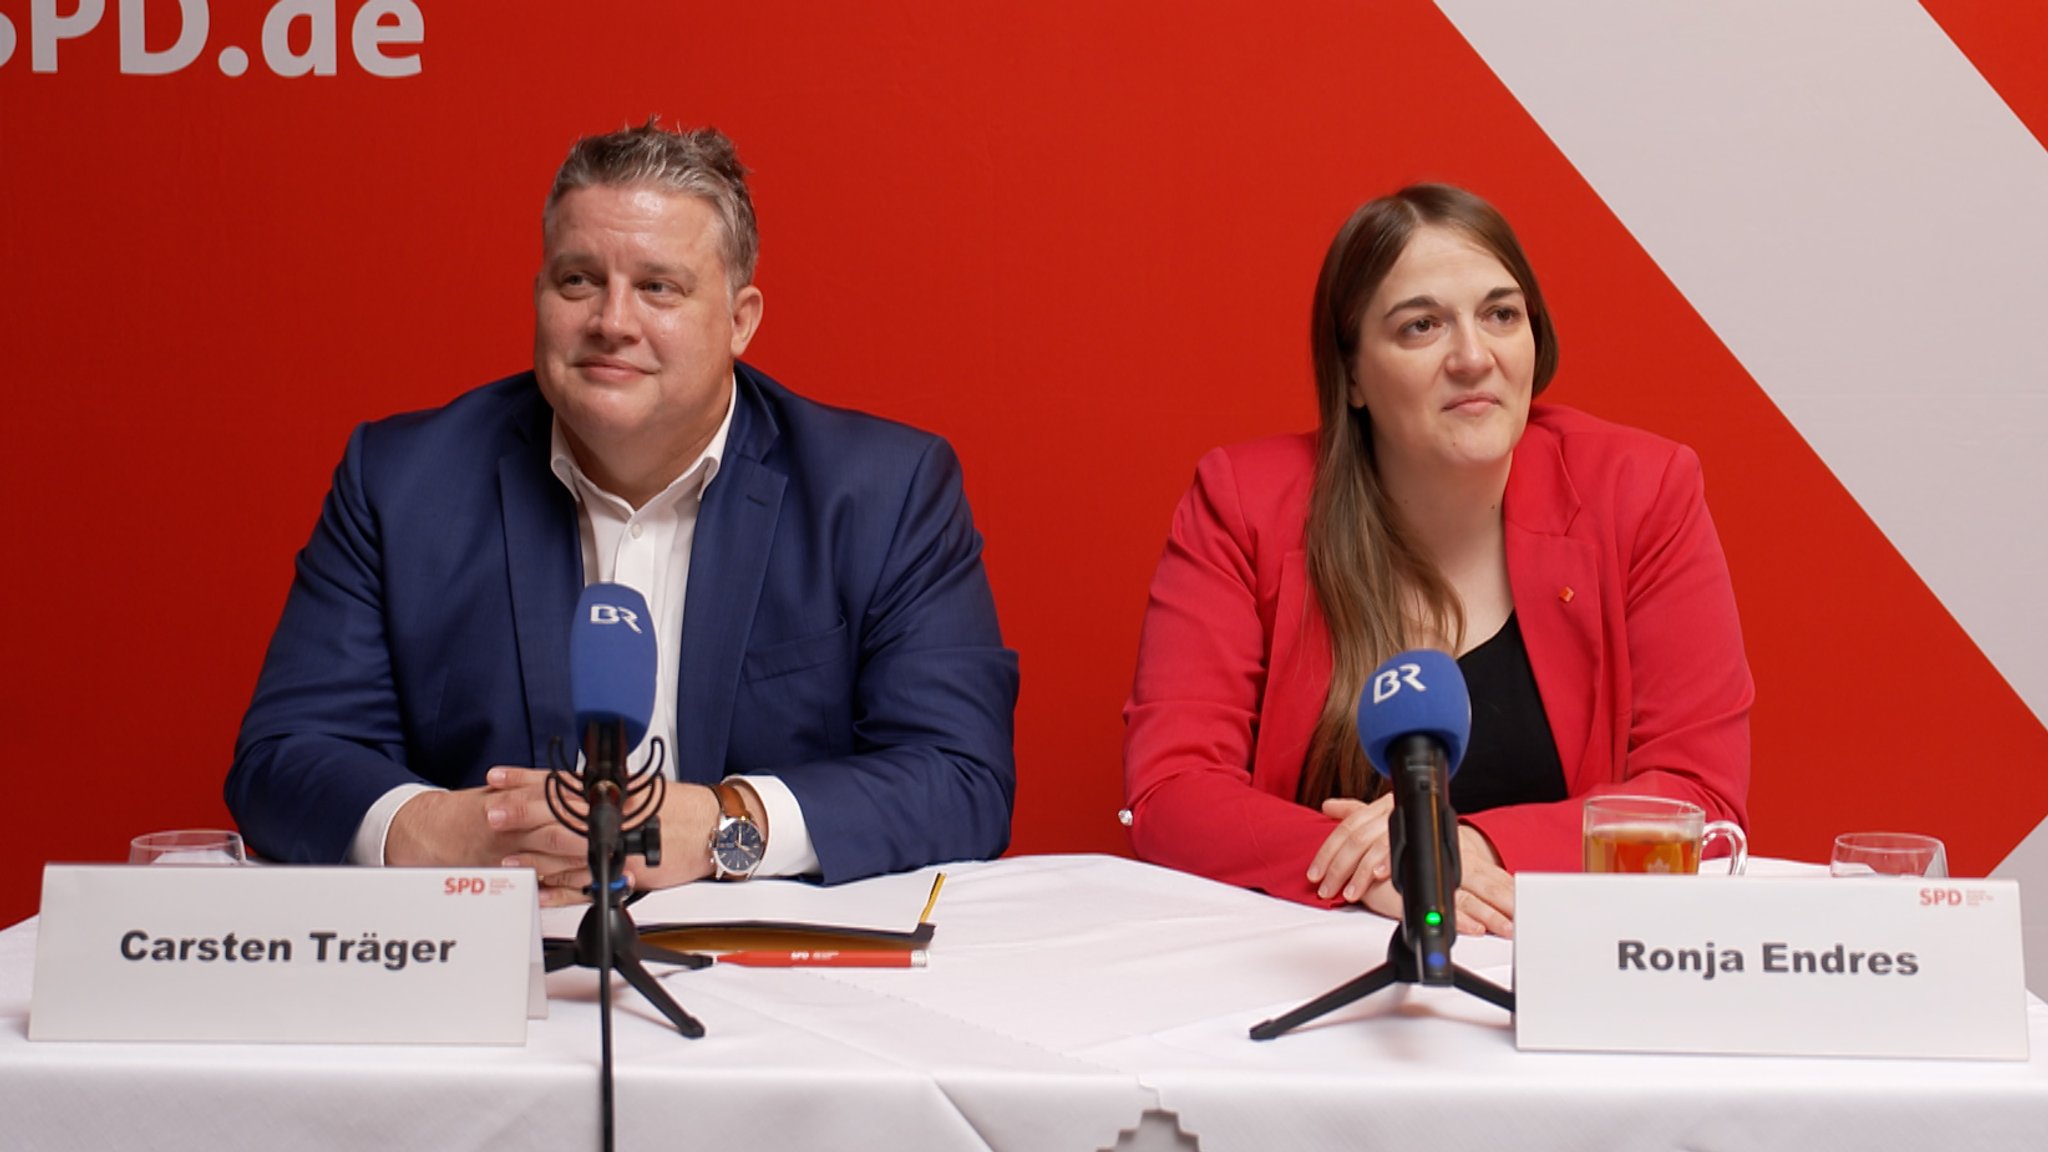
x=1511, y=757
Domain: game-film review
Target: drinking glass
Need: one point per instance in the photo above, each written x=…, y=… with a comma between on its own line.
x=187, y=846
x=1654, y=834
x=1888, y=854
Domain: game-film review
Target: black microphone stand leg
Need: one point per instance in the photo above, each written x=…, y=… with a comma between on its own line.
x=661, y=955
x=1483, y=988
x=1327, y=1003
x=1399, y=969
x=557, y=954
x=627, y=958
x=627, y=964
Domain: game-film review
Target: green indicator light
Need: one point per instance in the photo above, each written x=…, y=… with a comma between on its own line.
x=1433, y=919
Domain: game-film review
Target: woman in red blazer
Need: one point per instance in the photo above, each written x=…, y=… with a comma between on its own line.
x=1569, y=563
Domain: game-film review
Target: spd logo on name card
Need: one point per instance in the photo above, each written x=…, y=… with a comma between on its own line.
x=476, y=886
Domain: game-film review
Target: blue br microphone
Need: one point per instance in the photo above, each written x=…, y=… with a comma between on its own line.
x=612, y=662
x=614, y=657
x=1414, y=718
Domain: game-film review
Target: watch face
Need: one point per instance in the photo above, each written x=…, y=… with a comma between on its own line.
x=738, y=846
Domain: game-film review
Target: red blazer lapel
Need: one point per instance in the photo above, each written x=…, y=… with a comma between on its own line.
x=1555, y=581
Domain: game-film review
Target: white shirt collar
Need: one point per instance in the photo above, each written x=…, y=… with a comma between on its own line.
x=694, y=479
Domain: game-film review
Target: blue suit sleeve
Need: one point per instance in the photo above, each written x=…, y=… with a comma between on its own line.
x=932, y=773
x=323, y=737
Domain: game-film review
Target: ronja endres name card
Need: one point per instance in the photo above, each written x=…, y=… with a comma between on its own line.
x=1794, y=966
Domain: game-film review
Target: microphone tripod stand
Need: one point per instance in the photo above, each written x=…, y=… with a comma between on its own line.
x=1402, y=967
x=620, y=821
x=1426, y=873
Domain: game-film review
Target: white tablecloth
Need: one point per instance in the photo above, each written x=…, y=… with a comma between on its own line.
x=1065, y=997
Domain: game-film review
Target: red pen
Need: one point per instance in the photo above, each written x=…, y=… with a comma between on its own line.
x=879, y=958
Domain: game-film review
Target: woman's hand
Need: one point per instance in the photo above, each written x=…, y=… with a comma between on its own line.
x=1354, y=857
x=1355, y=862
x=1486, y=898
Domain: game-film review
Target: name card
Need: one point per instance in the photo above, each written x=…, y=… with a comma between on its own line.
x=284, y=953
x=1792, y=966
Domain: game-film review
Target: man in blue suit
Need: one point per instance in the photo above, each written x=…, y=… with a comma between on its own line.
x=832, y=680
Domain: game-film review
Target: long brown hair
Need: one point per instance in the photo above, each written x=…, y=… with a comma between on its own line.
x=1380, y=593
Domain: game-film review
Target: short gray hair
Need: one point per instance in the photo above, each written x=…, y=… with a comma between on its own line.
x=701, y=163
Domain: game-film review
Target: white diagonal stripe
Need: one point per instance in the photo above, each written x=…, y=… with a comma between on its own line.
x=1864, y=223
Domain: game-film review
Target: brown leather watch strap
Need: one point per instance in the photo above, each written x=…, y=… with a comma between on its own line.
x=730, y=801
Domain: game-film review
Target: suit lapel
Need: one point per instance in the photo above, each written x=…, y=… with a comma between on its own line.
x=545, y=563
x=1555, y=581
x=728, y=567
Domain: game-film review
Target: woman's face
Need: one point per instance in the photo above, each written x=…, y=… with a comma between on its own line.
x=1445, y=358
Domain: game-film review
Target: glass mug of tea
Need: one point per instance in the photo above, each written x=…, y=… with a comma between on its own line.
x=1654, y=834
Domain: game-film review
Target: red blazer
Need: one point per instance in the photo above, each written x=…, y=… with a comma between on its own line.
x=1623, y=597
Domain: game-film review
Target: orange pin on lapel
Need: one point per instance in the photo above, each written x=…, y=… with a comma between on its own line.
x=1565, y=594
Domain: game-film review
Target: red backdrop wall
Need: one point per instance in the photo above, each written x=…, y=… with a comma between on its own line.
x=1077, y=239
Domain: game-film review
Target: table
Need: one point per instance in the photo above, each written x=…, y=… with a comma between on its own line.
x=1066, y=997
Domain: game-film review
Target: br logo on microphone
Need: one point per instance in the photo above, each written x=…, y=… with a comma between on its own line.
x=613, y=614
x=1389, y=682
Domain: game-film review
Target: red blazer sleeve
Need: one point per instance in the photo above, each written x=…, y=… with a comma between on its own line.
x=1204, y=655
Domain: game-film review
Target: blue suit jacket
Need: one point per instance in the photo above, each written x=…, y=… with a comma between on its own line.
x=839, y=632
